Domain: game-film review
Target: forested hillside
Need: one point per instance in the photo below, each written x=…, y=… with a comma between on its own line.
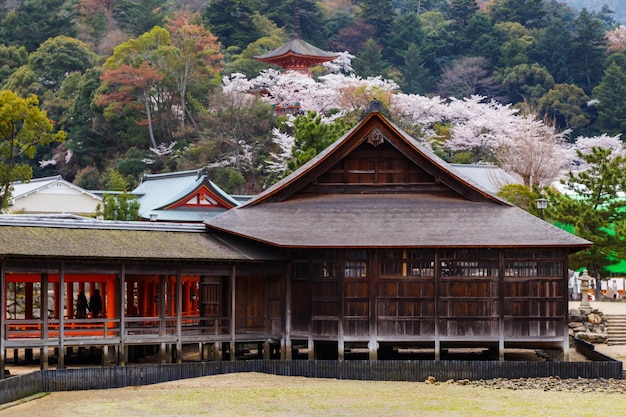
x=139, y=85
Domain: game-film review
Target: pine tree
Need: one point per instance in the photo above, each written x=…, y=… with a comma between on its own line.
x=369, y=61
x=416, y=77
x=611, y=100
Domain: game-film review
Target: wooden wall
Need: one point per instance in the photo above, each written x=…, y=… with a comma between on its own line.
x=454, y=294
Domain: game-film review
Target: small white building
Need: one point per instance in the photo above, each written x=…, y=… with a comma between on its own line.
x=52, y=195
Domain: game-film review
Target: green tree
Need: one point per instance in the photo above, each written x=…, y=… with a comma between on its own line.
x=522, y=196
x=597, y=212
x=231, y=21
x=134, y=82
x=530, y=13
x=380, y=15
x=313, y=136
x=194, y=59
x=525, y=82
x=237, y=135
x=369, y=61
x=311, y=19
x=34, y=21
x=58, y=57
x=138, y=16
x=483, y=38
x=114, y=181
x=552, y=49
x=11, y=58
x=124, y=207
x=564, y=104
x=406, y=31
x=462, y=10
x=611, y=100
x=23, y=129
x=93, y=142
x=24, y=82
x=416, y=78
x=588, y=51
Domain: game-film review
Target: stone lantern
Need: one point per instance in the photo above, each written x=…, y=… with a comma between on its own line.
x=585, y=286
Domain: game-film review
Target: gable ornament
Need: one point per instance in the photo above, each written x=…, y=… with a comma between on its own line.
x=376, y=137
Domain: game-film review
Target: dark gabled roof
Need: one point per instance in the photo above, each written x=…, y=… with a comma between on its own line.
x=454, y=180
x=450, y=211
x=296, y=46
x=75, y=237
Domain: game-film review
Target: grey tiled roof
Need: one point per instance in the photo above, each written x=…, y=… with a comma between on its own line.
x=76, y=237
x=394, y=220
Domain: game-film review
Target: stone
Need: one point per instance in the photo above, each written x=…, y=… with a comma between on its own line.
x=594, y=318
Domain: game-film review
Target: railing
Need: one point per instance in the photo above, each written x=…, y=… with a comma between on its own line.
x=34, y=328
x=190, y=326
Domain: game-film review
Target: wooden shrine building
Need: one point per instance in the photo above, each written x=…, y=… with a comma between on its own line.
x=376, y=245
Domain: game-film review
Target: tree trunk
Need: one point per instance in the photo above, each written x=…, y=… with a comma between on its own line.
x=149, y=116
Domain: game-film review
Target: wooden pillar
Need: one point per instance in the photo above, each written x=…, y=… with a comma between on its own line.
x=173, y=295
x=142, y=299
x=565, y=322
x=372, y=271
x=286, y=345
x=129, y=308
x=28, y=300
x=56, y=311
x=161, y=292
x=123, y=294
x=186, y=297
x=43, y=313
x=340, y=332
x=232, y=312
x=3, y=305
x=179, y=313
x=61, y=303
x=501, y=274
x=265, y=346
x=437, y=275
x=111, y=291
x=69, y=300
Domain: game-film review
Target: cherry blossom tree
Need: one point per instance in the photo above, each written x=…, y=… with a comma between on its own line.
x=617, y=38
x=522, y=144
x=535, y=151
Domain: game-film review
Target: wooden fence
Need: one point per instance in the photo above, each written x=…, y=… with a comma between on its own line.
x=17, y=387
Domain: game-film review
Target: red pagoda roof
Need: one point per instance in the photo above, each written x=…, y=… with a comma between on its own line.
x=297, y=55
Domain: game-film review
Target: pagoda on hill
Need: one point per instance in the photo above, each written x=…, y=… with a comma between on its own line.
x=296, y=55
